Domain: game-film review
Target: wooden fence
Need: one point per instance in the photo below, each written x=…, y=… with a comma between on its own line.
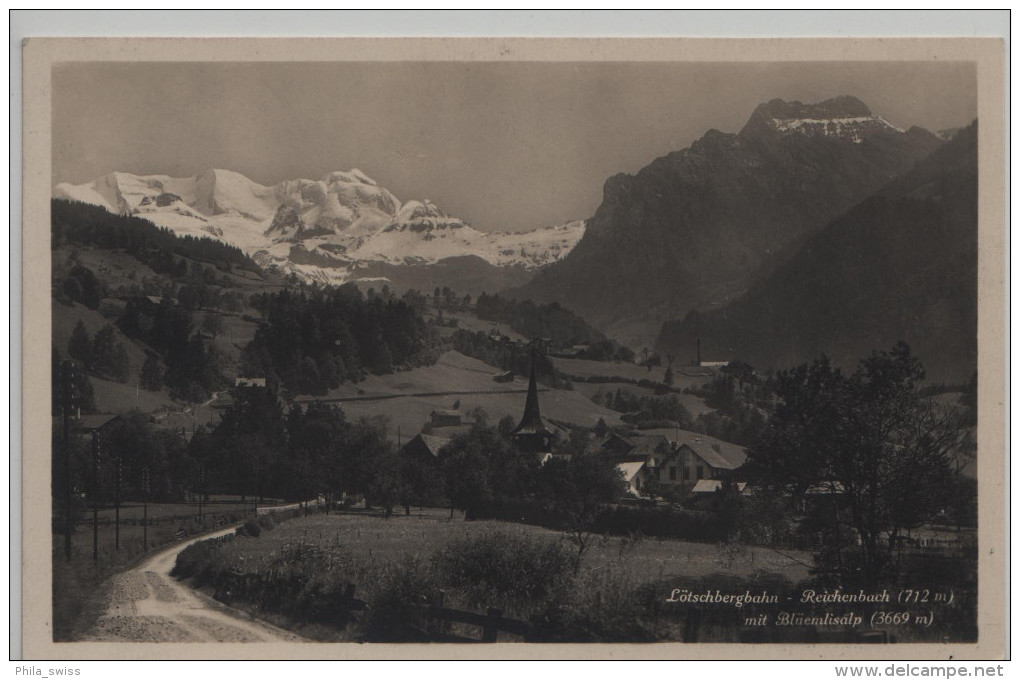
x=438, y=618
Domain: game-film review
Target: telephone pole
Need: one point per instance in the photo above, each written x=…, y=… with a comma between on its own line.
x=68, y=399
x=95, y=495
x=116, y=503
x=145, y=508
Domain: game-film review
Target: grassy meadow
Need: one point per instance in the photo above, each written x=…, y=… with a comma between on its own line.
x=293, y=574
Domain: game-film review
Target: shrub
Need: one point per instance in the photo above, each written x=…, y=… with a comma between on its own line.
x=250, y=528
x=267, y=522
x=199, y=560
x=599, y=608
x=393, y=615
x=503, y=568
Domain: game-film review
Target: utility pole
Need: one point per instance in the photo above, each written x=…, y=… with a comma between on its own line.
x=255, y=469
x=201, y=488
x=116, y=504
x=68, y=398
x=95, y=495
x=145, y=508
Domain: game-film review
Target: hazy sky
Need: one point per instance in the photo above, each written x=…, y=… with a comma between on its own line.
x=501, y=145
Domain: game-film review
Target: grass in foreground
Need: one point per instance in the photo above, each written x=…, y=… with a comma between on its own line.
x=295, y=574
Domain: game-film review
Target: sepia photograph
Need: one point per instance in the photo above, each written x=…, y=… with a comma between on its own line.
x=501, y=342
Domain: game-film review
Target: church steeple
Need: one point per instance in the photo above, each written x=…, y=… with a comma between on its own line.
x=531, y=433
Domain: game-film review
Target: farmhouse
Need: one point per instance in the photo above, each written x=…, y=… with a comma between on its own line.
x=704, y=457
x=674, y=458
x=445, y=418
x=242, y=381
x=424, y=447
x=633, y=474
x=91, y=424
x=619, y=447
x=707, y=486
x=574, y=352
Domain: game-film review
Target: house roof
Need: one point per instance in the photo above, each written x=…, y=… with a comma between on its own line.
x=630, y=469
x=715, y=452
x=822, y=488
x=432, y=442
x=713, y=485
x=649, y=444
x=92, y=423
x=438, y=412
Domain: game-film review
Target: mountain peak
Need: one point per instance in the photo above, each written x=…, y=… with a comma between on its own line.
x=845, y=117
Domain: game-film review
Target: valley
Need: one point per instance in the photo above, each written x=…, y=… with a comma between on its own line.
x=677, y=386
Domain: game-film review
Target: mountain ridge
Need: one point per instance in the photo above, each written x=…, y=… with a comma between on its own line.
x=695, y=227
x=342, y=221
x=899, y=265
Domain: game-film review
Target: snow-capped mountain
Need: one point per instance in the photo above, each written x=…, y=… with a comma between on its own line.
x=324, y=230
x=844, y=117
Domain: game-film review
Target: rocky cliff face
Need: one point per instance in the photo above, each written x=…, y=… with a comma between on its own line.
x=696, y=227
x=900, y=265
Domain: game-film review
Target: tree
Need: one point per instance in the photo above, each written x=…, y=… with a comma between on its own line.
x=109, y=358
x=465, y=472
x=386, y=485
x=84, y=286
x=80, y=348
x=579, y=490
x=153, y=372
x=212, y=324
x=883, y=451
x=423, y=482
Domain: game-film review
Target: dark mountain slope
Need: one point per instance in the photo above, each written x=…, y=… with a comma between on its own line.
x=901, y=265
x=697, y=226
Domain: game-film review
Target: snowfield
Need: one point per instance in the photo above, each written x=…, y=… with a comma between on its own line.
x=319, y=230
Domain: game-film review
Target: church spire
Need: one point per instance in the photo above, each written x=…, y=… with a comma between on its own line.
x=531, y=423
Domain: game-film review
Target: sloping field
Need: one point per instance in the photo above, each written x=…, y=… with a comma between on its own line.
x=469, y=322
x=407, y=398
x=115, y=397
x=683, y=376
x=378, y=542
x=695, y=405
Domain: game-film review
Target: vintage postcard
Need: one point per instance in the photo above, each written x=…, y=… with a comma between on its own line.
x=514, y=348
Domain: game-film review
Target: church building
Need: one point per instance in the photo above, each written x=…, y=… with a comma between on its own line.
x=531, y=434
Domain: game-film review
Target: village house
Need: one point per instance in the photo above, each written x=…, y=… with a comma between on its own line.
x=672, y=458
x=424, y=447
x=633, y=474
x=574, y=352
x=704, y=457
x=445, y=418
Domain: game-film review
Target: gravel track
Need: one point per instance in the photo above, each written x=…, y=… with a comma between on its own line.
x=146, y=604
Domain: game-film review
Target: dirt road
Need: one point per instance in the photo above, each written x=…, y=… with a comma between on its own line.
x=148, y=605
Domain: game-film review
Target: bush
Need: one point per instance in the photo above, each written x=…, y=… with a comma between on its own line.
x=199, y=559
x=600, y=607
x=251, y=528
x=267, y=522
x=508, y=569
x=393, y=615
